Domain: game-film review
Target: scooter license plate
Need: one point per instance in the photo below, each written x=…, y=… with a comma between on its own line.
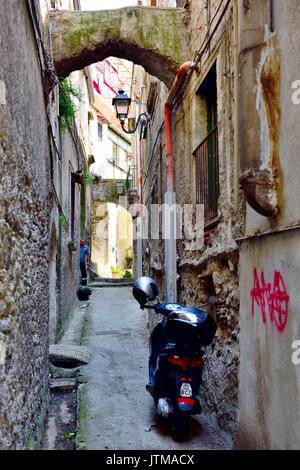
x=186, y=390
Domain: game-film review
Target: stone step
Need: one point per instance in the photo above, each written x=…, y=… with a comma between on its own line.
x=111, y=282
x=61, y=385
x=68, y=353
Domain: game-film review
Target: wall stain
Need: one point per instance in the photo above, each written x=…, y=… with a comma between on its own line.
x=270, y=84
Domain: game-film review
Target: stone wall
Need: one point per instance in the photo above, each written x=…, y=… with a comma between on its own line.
x=213, y=270
x=269, y=382
x=68, y=252
x=24, y=229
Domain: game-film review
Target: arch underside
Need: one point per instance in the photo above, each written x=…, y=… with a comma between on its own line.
x=161, y=67
x=154, y=38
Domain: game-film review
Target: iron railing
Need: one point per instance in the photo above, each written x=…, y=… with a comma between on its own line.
x=207, y=175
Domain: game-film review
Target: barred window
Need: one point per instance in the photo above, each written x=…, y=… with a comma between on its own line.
x=207, y=154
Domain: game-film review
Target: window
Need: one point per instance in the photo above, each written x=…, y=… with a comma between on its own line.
x=100, y=131
x=115, y=153
x=206, y=154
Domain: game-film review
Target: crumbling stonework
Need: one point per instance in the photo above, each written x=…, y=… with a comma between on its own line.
x=24, y=229
x=155, y=38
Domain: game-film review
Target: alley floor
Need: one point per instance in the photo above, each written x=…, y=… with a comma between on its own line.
x=115, y=410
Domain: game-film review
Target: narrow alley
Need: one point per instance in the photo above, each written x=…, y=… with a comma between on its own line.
x=155, y=144
x=115, y=410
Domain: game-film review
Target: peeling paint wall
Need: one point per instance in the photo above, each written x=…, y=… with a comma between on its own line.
x=269, y=265
x=269, y=380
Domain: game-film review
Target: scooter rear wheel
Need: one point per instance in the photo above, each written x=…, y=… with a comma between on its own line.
x=179, y=425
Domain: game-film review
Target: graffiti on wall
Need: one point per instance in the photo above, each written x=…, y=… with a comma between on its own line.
x=275, y=298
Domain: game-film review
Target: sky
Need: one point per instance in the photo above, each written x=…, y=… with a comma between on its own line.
x=106, y=4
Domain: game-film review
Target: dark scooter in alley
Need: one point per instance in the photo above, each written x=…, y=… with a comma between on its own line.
x=176, y=356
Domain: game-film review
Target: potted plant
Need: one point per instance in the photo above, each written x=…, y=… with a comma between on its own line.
x=114, y=272
x=128, y=261
x=121, y=272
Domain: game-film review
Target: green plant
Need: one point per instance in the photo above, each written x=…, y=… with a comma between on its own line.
x=67, y=108
x=121, y=271
x=88, y=178
x=127, y=273
x=128, y=260
x=62, y=219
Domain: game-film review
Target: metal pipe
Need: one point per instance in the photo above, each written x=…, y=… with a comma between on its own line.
x=139, y=265
x=236, y=158
x=179, y=79
x=170, y=241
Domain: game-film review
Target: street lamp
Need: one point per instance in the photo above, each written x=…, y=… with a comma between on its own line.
x=120, y=188
x=122, y=102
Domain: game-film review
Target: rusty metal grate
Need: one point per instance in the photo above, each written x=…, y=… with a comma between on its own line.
x=207, y=175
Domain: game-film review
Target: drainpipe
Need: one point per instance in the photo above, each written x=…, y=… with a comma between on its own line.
x=258, y=178
x=170, y=199
x=139, y=263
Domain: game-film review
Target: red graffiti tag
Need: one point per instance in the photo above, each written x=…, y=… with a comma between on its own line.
x=277, y=299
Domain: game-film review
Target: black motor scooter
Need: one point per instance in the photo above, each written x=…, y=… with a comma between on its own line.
x=176, y=357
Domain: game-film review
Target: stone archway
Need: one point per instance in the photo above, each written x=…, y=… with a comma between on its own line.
x=155, y=38
x=112, y=237
x=112, y=228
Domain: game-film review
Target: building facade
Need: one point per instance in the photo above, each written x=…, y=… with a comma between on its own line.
x=223, y=137
x=232, y=122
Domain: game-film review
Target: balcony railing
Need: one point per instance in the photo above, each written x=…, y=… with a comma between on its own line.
x=207, y=176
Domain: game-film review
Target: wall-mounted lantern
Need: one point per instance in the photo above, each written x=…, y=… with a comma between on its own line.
x=121, y=102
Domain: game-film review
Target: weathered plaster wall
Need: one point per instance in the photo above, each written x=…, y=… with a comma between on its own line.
x=24, y=228
x=112, y=229
x=269, y=320
x=100, y=242
x=286, y=16
x=269, y=392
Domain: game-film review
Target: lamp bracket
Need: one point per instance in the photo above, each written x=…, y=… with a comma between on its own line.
x=142, y=119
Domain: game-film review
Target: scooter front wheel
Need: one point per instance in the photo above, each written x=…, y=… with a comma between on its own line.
x=179, y=426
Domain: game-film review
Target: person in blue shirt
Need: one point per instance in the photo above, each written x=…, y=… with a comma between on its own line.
x=84, y=256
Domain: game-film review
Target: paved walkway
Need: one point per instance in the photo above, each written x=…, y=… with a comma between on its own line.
x=115, y=409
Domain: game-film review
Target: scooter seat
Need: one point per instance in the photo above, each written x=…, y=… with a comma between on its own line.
x=169, y=346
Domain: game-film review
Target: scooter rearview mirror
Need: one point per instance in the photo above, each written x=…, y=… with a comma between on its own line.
x=211, y=300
